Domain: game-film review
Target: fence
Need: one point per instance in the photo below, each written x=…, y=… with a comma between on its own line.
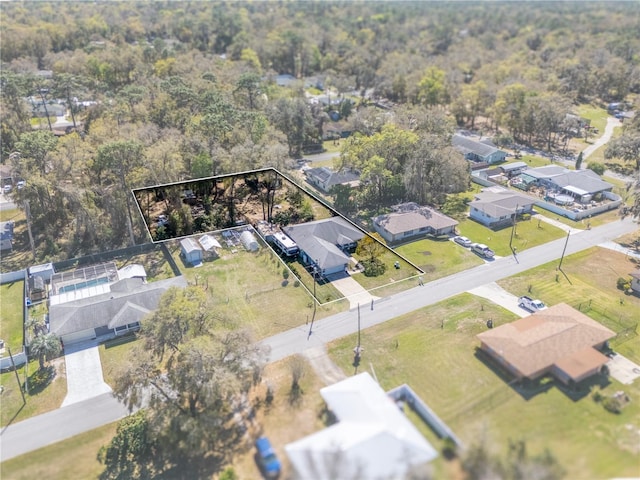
x=406, y=394
x=103, y=257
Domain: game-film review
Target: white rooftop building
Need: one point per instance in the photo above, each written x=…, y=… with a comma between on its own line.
x=373, y=438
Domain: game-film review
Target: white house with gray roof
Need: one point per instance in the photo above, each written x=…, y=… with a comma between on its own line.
x=478, y=151
x=325, y=244
x=495, y=207
x=582, y=185
x=116, y=311
x=324, y=178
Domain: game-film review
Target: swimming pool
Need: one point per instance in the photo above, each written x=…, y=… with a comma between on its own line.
x=86, y=284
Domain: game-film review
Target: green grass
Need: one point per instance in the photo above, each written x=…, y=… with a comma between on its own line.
x=597, y=115
x=39, y=400
x=247, y=289
x=438, y=258
x=114, y=359
x=72, y=458
x=593, y=274
x=11, y=301
x=440, y=364
x=528, y=234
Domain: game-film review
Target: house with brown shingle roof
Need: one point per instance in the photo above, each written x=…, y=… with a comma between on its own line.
x=412, y=221
x=560, y=341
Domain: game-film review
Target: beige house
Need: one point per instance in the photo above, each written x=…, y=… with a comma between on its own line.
x=403, y=226
x=559, y=340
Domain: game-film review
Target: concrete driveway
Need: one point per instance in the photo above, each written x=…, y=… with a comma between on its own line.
x=351, y=289
x=498, y=295
x=623, y=369
x=84, y=373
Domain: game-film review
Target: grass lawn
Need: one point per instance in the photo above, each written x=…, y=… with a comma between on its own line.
x=247, y=288
x=72, y=458
x=598, y=116
x=593, y=274
x=114, y=358
x=440, y=364
x=528, y=234
x=438, y=258
x=12, y=301
x=41, y=398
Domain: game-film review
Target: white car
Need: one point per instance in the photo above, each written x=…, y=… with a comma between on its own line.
x=464, y=241
x=7, y=189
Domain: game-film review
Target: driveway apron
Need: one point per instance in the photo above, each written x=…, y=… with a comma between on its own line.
x=84, y=373
x=498, y=295
x=352, y=290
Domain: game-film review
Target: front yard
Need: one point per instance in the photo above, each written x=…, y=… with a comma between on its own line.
x=433, y=350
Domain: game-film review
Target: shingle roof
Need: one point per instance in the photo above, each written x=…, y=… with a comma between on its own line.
x=331, y=178
x=468, y=145
x=498, y=203
x=557, y=336
x=424, y=217
x=318, y=240
x=580, y=181
x=190, y=245
x=128, y=301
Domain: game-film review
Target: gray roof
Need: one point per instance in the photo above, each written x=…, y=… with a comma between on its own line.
x=513, y=166
x=331, y=178
x=578, y=181
x=467, y=145
x=320, y=240
x=424, y=217
x=128, y=301
x=189, y=245
x=499, y=203
x=6, y=230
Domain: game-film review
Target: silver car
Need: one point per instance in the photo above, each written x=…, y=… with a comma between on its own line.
x=464, y=241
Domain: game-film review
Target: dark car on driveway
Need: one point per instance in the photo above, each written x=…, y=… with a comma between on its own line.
x=266, y=458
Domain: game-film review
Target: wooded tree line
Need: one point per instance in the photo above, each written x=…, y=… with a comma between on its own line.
x=180, y=91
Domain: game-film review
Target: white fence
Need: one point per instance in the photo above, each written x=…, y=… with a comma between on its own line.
x=12, y=276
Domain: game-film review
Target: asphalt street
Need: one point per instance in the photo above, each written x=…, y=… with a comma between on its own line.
x=37, y=432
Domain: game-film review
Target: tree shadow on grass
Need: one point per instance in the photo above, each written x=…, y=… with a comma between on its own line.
x=41, y=379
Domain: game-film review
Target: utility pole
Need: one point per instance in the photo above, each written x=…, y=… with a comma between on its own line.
x=24, y=401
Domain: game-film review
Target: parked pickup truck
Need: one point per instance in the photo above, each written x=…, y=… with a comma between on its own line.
x=531, y=304
x=482, y=250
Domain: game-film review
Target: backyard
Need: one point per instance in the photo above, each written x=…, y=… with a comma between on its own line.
x=433, y=350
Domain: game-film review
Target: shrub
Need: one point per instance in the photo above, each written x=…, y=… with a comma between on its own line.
x=373, y=267
x=285, y=273
x=623, y=284
x=612, y=404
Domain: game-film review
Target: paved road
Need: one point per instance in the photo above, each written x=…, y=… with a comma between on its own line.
x=298, y=339
x=60, y=424
x=612, y=123
x=66, y=422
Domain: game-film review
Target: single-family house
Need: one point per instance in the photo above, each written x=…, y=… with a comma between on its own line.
x=495, y=207
x=478, y=151
x=418, y=222
x=191, y=251
x=324, y=178
x=581, y=185
x=6, y=236
x=559, y=340
x=116, y=311
x=635, y=281
x=325, y=244
x=373, y=438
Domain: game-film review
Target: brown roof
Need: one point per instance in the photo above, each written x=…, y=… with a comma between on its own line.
x=424, y=217
x=559, y=335
x=581, y=362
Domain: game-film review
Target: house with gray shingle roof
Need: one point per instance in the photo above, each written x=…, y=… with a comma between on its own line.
x=325, y=244
x=495, y=207
x=324, y=178
x=580, y=184
x=413, y=223
x=478, y=151
x=117, y=311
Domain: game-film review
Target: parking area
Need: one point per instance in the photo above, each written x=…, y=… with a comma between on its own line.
x=623, y=369
x=498, y=295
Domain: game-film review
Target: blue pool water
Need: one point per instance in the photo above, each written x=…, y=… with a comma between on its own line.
x=81, y=285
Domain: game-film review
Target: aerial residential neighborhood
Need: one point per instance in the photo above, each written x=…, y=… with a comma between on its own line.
x=320, y=240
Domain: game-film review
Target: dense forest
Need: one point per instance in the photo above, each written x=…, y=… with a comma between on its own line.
x=159, y=92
